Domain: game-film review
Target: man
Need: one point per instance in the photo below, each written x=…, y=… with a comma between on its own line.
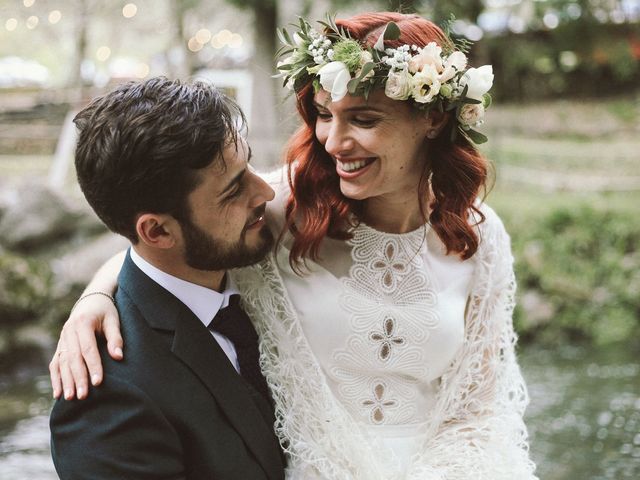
x=162, y=163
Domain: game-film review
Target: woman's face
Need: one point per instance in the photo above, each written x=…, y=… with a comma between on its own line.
x=377, y=145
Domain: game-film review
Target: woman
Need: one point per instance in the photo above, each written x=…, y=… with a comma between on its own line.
x=385, y=312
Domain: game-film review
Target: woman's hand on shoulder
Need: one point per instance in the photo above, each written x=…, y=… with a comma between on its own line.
x=77, y=358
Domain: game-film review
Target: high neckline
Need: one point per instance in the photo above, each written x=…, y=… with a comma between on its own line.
x=422, y=230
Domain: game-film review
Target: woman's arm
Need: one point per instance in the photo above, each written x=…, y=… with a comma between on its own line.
x=77, y=350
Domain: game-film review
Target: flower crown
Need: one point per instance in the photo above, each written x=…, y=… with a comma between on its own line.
x=428, y=76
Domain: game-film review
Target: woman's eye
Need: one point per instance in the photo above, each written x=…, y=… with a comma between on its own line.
x=324, y=116
x=365, y=122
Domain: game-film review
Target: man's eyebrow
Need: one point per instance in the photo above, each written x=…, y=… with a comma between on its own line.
x=234, y=181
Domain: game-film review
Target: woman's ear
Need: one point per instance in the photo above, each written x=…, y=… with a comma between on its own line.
x=156, y=230
x=436, y=121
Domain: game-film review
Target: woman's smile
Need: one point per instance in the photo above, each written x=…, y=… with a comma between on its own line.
x=349, y=168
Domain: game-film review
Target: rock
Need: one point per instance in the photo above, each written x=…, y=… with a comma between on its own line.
x=73, y=270
x=36, y=216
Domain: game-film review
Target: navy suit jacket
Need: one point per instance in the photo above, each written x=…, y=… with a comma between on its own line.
x=174, y=408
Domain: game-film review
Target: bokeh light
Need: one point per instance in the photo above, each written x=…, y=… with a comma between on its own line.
x=32, y=22
x=11, y=24
x=216, y=42
x=225, y=36
x=129, y=10
x=236, y=40
x=194, y=45
x=550, y=20
x=142, y=70
x=28, y=3
x=203, y=35
x=54, y=16
x=103, y=53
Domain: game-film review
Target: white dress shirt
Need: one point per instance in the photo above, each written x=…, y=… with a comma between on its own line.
x=202, y=301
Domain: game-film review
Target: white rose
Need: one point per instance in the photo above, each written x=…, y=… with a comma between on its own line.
x=334, y=78
x=425, y=84
x=471, y=115
x=479, y=81
x=398, y=86
x=430, y=55
x=456, y=62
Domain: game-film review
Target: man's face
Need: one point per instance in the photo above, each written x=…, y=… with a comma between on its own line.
x=226, y=228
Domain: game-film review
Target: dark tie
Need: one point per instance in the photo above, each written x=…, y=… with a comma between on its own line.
x=233, y=323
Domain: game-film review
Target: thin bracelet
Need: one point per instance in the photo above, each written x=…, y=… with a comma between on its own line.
x=110, y=297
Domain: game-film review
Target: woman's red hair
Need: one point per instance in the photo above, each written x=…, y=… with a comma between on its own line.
x=316, y=207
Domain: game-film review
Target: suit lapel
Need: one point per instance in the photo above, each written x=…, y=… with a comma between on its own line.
x=198, y=350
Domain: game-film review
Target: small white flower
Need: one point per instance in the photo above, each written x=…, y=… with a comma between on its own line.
x=429, y=55
x=365, y=57
x=471, y=115
x=479, y=81
x=425, y=84
x=456, y=62
x=399, y=85
x=334, y=78
x=330, y=54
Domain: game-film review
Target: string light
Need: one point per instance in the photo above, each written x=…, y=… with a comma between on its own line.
x=54, y=16
x=129, y=10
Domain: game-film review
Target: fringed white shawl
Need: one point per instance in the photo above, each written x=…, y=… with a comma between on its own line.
x=474, y=432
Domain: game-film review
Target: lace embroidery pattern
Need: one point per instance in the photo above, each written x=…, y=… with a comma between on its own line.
x=391, y=305
x=475, y=430
x=378, y=403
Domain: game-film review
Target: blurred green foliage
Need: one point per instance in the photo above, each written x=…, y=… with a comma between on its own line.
x=586, y=59
x=583, y=260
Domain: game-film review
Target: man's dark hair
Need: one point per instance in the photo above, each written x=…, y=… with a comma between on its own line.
x=140, y=147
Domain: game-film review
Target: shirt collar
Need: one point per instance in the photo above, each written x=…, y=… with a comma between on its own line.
x=203, y=302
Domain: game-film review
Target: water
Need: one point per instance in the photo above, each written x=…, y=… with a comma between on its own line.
x=584, y=417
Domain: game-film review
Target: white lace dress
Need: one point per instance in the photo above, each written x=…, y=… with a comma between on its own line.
x=392, y=360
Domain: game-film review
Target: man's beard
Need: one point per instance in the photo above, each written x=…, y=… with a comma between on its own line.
x=203, y=252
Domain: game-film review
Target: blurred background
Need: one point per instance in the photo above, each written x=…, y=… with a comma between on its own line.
x=564, y=134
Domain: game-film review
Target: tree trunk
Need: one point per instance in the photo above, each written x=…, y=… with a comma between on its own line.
x=82, y=19
x=263, y=117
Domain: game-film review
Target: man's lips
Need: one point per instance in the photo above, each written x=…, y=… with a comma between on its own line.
x=258, y=217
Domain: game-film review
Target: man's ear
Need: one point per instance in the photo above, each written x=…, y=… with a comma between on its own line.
x=157, y=230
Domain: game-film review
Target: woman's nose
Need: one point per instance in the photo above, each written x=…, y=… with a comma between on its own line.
x=339, y=141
